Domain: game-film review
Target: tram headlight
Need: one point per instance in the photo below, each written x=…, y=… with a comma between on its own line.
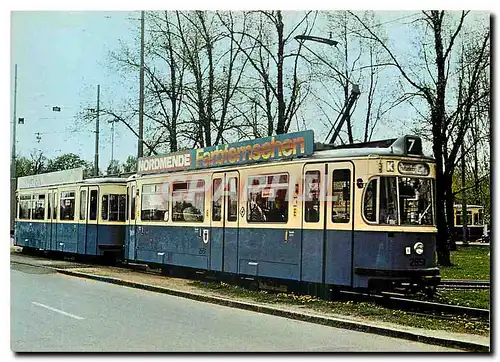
x=419, y=247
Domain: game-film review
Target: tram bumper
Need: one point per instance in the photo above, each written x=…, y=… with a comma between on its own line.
x=380, y=279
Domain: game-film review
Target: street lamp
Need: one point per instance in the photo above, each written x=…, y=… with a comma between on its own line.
x=317, y=39
x=349, y=102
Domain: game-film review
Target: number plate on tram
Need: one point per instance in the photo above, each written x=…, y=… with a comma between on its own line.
x=417, y=261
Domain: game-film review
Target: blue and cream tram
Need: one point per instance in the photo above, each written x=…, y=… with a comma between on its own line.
x=62, y=212
x=275, y=208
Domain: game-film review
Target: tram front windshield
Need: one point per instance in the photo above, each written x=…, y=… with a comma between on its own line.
x=403, y=201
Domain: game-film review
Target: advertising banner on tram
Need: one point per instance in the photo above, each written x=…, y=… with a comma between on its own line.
x=273, y=148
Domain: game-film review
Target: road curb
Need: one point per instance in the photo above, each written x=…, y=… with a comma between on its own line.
x=329, y=321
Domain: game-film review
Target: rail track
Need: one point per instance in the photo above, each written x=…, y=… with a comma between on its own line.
x=464, y=284
x=437, y=310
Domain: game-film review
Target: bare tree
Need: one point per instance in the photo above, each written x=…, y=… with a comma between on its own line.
x=355, y=61
x=263, y=41
x=442, y=124
x=38, y=162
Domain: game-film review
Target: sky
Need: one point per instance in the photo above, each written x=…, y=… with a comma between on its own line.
x=61, y=57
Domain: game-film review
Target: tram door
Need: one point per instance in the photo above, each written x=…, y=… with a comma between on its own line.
x=91, y=224
x=130, y=234
x=224, y=222
x=313, y=222
x=327, y=223
x=51, y=220
x=83, y=219
x=339, y=224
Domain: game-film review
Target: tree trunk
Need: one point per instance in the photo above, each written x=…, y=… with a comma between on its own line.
x=449, y=205
x=280, y=128
x=465, y=217
x=442, y=237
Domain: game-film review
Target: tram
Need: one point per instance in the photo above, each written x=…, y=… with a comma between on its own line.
x=278, y=210
x=62, y=212
x=476, y=229
x=285, y=209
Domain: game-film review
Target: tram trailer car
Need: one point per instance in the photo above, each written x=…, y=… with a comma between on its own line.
x=275, y=209
x=62, y=212
x=475, y=223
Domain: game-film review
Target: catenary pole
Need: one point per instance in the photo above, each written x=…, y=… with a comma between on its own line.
x=13, y=180
x=141, y=92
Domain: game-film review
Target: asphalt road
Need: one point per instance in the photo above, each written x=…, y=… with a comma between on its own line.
x=53, y=312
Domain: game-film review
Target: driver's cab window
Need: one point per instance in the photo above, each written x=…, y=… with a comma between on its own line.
x=388, y=201
x=370, y=201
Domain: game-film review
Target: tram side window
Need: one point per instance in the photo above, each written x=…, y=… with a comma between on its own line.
x=267, y=198
x=341, y=196
x=49, y=205
x=67, y=205
x=232, y=200
x=25, y=207
x=38, y=207
x=311, y=196
x=217, y=199
x=458, y=220
x=93, y=205
x=54, y=205
x=188, y=201
x=113, y=207
x=104, y=207
x=370, y=201
x=122, y=207
x=127, y=202
x=154, y=202
x=132, y=204
x=469, y=217
x=480, y=217
x=83, y=204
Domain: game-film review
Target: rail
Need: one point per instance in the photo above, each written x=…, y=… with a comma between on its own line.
x=464, y=284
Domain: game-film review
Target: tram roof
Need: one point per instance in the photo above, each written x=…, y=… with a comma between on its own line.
x=364, y=152
x=100, y=180
x=393, y=147
x=89, y=181
x=279, y=148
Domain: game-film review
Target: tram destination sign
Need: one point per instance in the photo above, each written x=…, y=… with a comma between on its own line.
x=273, y=148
